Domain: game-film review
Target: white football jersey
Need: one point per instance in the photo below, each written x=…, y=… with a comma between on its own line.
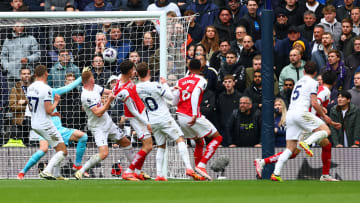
x=89, y=99
x=301, y=94
x=152, y=94
x=38, y=93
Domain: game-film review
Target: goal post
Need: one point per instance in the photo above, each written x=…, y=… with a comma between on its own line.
x=167, y=59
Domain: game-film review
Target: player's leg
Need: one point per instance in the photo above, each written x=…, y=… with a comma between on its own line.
x=34, y=158
x=198, y=152
x=260, y=163
x=138, y=161
x=184, y=154
x=81, y=139
x=160, y=152
x=216, y=140
x=61, y=152
x=313, y=124
x=290, y=148
x=326, y=160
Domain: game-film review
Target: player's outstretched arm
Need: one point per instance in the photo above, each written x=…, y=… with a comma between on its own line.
x=99, y=111
x=67, y=88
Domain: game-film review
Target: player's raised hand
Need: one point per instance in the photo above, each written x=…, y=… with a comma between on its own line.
x=193, y=121
x=111, y=96
x=56, y=98
x=163, y=80
x=87, y=68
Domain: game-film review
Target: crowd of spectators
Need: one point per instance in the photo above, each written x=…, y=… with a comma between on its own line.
x=225, y=35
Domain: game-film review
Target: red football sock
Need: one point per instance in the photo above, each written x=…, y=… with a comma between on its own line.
x=138, y=160
x=211, y=148
x=272, y=159
x=293, y=156
x=198, y=152
x=326, y=159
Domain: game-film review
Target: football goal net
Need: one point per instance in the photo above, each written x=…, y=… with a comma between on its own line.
x=66, y=42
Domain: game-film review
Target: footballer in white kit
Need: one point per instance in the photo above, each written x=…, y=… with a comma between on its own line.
x=99, y=122
x=39, y=95
x=101, y=127
x=299, y=118
x=162, y=123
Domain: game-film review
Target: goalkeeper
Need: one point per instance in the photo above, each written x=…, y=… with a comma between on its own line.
x=67, y=134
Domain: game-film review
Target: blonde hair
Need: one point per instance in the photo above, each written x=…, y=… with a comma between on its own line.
x=283, y=112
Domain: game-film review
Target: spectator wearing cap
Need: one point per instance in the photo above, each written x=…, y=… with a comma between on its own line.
x=343, y=12
x=293, y=11
x=330, y=23
x=283, y=47
x=299, y=45
x=81, y=50
x=348, y=115
x=306, y=30
x=315, y=7
x=224, y=25
x=251, y=20
x=281, y=25
x=346, y=43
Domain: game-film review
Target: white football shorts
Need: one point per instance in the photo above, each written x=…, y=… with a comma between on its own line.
x=51, y=135
x=102, y=135
x=202, y=127
x=166, y=129
x=299, y=121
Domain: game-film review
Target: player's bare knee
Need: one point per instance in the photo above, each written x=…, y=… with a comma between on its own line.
x=124, y=142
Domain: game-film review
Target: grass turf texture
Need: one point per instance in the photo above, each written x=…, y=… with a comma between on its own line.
x=103, y=191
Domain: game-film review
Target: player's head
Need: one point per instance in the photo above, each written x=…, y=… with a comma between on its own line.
x=87, y=77
x=40, y=71
x=310, y=68
x=194, y=65
x=142, y=70
x=329, y=77
x=126, y=67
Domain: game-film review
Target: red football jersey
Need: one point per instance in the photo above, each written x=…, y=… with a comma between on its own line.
x=124, y=91
x=323, y=97
x=186, y=87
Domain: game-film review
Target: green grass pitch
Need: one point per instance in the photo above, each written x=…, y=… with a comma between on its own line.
x=174, y=191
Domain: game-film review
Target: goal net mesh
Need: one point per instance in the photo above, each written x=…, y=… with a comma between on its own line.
x=65, y=46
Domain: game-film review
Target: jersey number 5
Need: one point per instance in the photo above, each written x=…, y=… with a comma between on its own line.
x=296, y=93
x=33, y=103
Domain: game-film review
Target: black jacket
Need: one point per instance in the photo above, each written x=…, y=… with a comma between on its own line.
x=244, y=130
x=238, y=71
x=255, y=95
x=226, y=103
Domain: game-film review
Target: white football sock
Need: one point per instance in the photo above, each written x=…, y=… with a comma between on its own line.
x=316, y=136
x=184, y=153
x=55, y=160
x=159, y=161
x=91, y=162
x=129, y=153
x=281, y=161
x=56, y=171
